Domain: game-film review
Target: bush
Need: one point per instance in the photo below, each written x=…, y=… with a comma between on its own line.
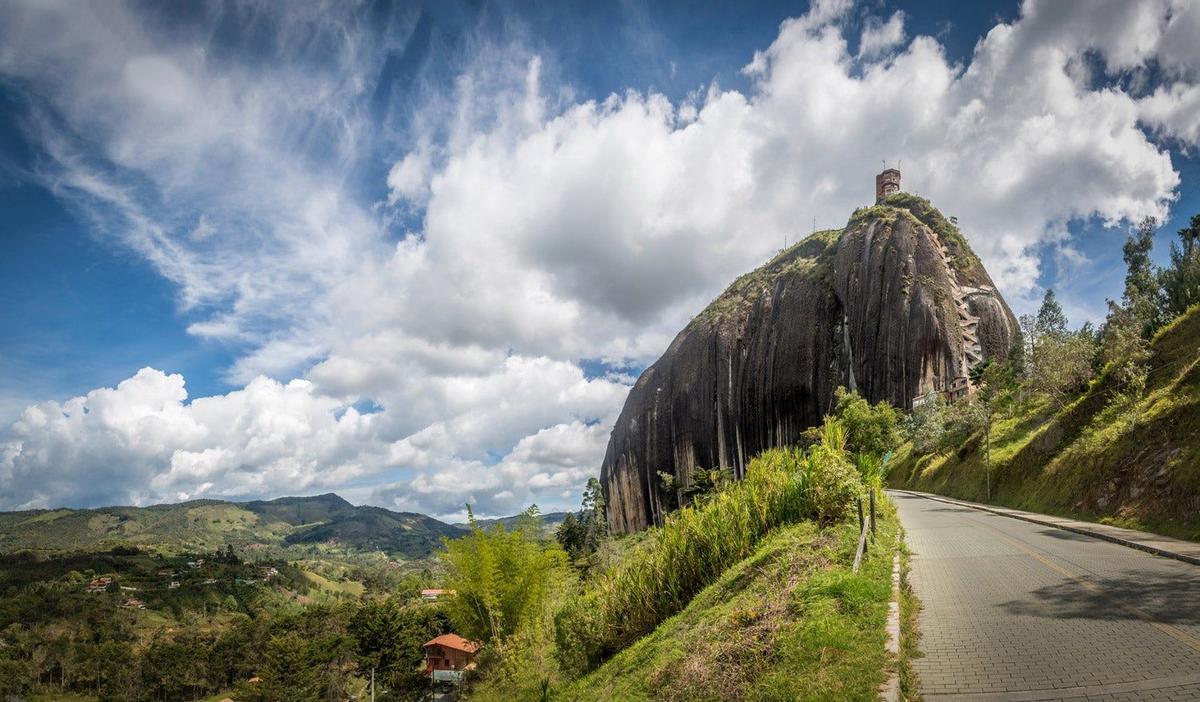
x=697, y=543
x=926, y=425
x=502, y=578
x=870, y=429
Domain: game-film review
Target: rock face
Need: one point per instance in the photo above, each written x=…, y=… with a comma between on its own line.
x=895, y=305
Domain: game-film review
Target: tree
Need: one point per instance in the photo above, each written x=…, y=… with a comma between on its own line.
x=1062, y=364
x=1140, y=285
x=289, y=673
x=570, y=533
x=580, y=534
x=926, y=425
x=870, y=429
x=502, y=578
x=1142, y=294
x=1180, y=281
x=390, y=638
x=1051, y=320
x=1124, y=352
x=592, y=514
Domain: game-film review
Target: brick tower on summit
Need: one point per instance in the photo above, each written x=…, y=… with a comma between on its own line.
x=887, y=183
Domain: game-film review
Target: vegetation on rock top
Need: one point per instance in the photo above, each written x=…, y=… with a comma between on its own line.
x=810, y=257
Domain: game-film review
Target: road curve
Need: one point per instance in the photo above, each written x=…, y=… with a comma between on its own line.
x=1014, y=611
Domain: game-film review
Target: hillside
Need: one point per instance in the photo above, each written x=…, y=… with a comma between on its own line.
x=208, y=524
x=789, y=622
x=895, y=305
x=550, y=521
x=1137, y=467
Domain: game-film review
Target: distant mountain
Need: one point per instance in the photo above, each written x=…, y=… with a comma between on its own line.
x=378, y=529
x=203, y=525
x=550, y=521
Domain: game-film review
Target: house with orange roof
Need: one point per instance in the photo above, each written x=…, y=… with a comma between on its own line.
x=448, y=656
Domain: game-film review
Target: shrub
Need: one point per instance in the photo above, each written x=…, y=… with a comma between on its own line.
x=697, y=543
x=832, y=480
x=872, y=429
x=502, y=578
x=926, y=425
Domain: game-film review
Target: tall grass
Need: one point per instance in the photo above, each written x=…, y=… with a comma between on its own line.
x=696, y=544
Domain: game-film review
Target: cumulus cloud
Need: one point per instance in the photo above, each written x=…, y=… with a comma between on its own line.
x=140, y=441
x=879, y=36
x=537, y=230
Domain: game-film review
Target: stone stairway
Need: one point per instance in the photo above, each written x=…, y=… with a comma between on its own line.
x=968, y=323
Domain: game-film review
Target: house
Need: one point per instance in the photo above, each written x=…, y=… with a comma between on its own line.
x=134, y=603
x=99, y=584
x=174, y=585
x=432, y=595
x=448, y=655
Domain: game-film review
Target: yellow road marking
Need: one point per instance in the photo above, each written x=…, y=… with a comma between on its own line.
x=1172, y=631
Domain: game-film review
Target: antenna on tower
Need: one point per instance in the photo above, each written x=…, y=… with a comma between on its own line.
x=814, y=224
x=898, y=162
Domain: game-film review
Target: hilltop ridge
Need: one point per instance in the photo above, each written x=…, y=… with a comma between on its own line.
x=326, y=519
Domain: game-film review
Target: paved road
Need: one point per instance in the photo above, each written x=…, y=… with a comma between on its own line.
x=1017, y=611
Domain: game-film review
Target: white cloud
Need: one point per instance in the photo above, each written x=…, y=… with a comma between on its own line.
x=879, y=36
x=1174, y=112
x=545, y=229
x=141, y=442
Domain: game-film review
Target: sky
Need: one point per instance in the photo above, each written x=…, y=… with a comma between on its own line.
x=417, y=253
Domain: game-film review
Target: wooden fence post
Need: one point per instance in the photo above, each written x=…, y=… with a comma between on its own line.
x=872, y=513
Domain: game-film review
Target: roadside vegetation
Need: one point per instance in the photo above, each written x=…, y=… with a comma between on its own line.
x=790, y=622
x=1099, y=424
x=593, y=616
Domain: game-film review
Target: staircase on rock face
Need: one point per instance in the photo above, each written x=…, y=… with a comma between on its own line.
x=968, y=324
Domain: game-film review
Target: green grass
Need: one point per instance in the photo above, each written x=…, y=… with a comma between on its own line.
x=910, y=633
x=1136, y=465
x=790, y=622
x=696, y=544
x=348, y=587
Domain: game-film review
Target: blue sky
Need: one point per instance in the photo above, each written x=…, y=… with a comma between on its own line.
x=415, y=252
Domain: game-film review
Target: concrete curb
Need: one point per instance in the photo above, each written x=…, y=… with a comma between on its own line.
x=890, y=692
x=1072, y=526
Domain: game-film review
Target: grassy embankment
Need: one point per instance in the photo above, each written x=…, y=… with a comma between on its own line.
x=748, y=595
x=1134, y=465
x=791, y=622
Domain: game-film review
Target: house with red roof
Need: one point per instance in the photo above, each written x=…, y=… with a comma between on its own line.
x=448, y=655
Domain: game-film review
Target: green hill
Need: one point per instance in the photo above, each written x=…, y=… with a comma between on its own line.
x=550, y=521
x=378, y=529
x=204, y=525
x=1135, y=466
